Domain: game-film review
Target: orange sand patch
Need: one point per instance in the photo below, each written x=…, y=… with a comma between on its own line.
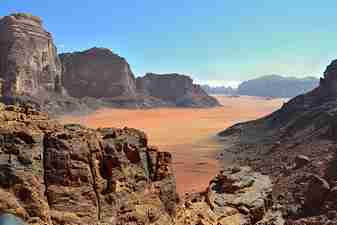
x=189, y=134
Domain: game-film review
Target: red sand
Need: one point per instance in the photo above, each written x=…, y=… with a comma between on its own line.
x=187, y=133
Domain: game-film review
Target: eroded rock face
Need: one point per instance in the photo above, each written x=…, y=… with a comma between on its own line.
x=54, y=174
x=176, y=89
x=98, y=73
x=29, y=63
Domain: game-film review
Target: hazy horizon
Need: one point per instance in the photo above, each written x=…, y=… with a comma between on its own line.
x=216, y=42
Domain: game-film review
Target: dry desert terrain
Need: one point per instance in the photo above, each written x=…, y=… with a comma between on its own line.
x=188, y=133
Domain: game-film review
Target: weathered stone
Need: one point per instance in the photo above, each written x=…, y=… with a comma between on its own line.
x=176, y=89
x=28, y=60
x=98, y=73
x=237, y=196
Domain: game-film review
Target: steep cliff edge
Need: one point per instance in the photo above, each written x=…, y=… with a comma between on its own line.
x=29, y=63
x=296, y=146
x=30, y=69
x=97, y=73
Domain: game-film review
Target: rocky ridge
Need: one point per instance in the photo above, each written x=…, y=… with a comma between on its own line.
x=296, y=146
x=277, y=86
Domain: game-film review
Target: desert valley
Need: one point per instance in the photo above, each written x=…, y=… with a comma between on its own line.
x=83, y=141
x=189, y=134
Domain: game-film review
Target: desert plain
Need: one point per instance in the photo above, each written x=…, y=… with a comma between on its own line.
x=188, y=133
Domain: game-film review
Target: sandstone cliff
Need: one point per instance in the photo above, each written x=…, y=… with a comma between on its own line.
x=176, y=89
x=296, y=146
x=80, y=81
x=29, y=63
x=98, y=73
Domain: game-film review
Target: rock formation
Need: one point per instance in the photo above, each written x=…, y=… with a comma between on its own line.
x=296, y=146
x=29, y=63
x=30, y=67
x=52, y=174
x=98, y=73
x=236, y=196
x=101, y=74
x=176, y=89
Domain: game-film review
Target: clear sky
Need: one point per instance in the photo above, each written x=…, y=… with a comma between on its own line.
x=212, y=40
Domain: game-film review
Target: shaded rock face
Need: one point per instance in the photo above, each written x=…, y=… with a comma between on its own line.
x=176, y=89
x=97, y=73
x=29, y=63
x=296, y=146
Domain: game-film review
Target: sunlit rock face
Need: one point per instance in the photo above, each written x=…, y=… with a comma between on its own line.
x=29, y=63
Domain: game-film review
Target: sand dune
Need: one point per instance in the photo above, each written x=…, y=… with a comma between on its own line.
x=187, y=133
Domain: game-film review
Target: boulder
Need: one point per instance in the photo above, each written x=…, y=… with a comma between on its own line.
x=301, y=160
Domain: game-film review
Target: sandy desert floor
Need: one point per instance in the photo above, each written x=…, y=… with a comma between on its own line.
x=189, y=134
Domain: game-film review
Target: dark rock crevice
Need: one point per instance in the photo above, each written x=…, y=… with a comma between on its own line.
x=94, y=185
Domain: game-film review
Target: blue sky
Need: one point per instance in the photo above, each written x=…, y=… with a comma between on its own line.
x=213, y=40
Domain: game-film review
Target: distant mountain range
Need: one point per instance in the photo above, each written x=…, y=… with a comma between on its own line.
x=219, y=90
x=269, y=86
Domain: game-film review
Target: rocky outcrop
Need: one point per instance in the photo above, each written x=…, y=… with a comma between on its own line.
x=54, y=174
x=296, y=146
x=98, y=73
x=176, y=89
x=236, y=196
x=29, y=64
x=277, y=86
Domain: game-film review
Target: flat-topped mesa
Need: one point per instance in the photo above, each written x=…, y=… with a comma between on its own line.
x=29, y=62
x=97, y=72
x=161, y=85
x=175, y=88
